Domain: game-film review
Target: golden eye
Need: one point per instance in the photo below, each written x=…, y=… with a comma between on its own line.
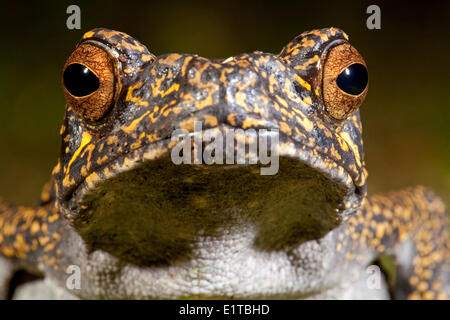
x=91, y=81
x=345, y=81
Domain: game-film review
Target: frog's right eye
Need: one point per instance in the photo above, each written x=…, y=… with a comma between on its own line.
x=345, y=81
x=91, y=81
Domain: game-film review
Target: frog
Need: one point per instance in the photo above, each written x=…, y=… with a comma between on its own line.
x=120, y=219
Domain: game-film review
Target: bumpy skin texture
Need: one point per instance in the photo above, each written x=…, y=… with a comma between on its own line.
x=258, y=90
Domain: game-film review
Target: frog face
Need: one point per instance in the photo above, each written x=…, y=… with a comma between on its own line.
x=115, y=176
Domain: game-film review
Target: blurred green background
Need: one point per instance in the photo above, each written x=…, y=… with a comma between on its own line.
x=406, y=113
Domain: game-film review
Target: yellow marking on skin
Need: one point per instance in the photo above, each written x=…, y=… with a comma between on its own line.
x=283, y=103
x=307, y=63
x=350, y=143
x=153, y=154
x=136, y=145
x=307, y=124
x=165, y=109
x=323, y=36
x=56, y=236
x=129, y=70
x=231, y=118
x=285, y=128
x=356, y=122
x=272, y=82
x=307, y=42
x=240, y=99
x=41, y=213
x=155, y=88
x=88, y=34
x=35, y=227
x=44, y=228
x=299, y=132
x=86, y=138
x=92, y=179
x=185, y=64
x=243, y=63
x=53, y=218
x=84, y=171
x=171, y=58
x=188, y=124
x=302, y=82
x=133, y=124
x=7, y=251
x=223, y=74
x=135, y=100
x=43, y=240
x=333, y=31
x=9, y=229
x=112, y=140
x=174, y=87
x=210, y=120
x=20, y=245
x=334, y=153
x=307, y=100
x=112, y=33
x=252, y=122
x=57, y=168
x=102, y=160
x=132, y=46
x=89, y=149
x=107, y=173
x=146, y=57
x=285, y=112
x=127, y=163
x=342, y=143
x=50, y=247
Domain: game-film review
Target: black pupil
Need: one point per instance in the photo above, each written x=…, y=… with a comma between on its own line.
x=353, y=80
x=79, y=80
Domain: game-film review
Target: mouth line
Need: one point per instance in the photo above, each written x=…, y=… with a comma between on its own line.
x=123, y=162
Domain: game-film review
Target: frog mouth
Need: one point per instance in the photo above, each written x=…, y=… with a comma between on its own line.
x=287, y=148
x=144, y=196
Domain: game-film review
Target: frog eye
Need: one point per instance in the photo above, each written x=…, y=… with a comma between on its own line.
x=79, y=80
x=91, y=81
x=345, y=81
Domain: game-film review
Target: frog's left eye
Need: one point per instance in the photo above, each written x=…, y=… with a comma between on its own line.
x=91, y=81
x=344, y=81
x=79, y=80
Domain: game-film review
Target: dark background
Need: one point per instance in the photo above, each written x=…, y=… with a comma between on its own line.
x=405, y=116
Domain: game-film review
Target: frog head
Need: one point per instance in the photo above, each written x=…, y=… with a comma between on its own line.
x=117, y=182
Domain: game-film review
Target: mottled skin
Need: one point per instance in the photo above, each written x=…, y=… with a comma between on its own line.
x=105, y=158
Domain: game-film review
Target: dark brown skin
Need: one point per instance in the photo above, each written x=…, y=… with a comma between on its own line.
x=142, y=99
